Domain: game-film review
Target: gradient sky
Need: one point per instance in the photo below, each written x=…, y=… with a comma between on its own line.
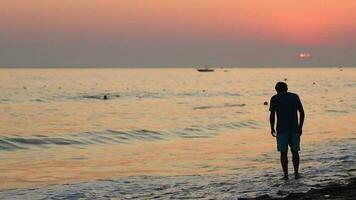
x=177, y=32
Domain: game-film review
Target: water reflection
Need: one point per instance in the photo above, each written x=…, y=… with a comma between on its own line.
x=159, y=122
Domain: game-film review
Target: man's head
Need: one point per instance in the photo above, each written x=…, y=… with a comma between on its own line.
x=281, y=87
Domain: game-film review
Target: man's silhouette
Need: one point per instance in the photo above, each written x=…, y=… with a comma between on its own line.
x=286, y=105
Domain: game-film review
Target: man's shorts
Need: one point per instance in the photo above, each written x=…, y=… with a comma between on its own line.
x=291, y=139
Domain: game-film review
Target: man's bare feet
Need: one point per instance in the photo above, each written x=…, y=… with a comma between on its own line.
x=296, y=176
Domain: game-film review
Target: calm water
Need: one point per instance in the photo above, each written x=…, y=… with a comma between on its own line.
x=166, y=133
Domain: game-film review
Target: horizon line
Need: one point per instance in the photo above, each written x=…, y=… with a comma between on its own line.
x=162, y=66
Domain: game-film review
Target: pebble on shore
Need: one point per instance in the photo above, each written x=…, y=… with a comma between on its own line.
x=333, y=191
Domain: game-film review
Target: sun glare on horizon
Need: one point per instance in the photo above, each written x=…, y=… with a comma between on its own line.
x=305, y=55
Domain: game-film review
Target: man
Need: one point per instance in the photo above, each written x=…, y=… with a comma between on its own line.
x=286, y=105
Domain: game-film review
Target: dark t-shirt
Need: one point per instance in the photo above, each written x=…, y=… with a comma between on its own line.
x=286, y=106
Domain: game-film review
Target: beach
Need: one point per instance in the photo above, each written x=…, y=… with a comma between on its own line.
x=169, y=133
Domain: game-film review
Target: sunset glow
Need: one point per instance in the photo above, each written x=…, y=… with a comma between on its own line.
x=135, y=27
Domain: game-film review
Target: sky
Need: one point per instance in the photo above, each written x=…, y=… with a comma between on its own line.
x=134, y=33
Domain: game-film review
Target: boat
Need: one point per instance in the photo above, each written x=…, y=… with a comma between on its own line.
x=205, y=69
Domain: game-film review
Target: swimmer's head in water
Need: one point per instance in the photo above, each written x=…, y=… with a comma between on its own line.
x=281, y=87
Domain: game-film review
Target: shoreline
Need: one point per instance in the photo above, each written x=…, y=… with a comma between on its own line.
x=334, y=190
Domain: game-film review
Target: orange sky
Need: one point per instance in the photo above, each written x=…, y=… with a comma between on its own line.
x=299, y=23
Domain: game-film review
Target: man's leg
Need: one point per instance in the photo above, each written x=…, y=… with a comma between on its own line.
x=296, y=163
x=294, y=142
x=282, y=146
x=284, y=162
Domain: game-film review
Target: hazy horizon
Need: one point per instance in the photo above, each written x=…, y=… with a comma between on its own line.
x=172, y=67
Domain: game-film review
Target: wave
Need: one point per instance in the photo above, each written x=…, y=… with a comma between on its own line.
x=337, y=111
x=16, y=142
x=112, y=95
x=100, y=96
x=109, y=136
x=226, y=105
x=241, y=182
x=137, y=94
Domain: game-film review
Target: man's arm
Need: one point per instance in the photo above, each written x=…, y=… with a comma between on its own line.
x=301, y=119
x=272, y=119
x=301, y=115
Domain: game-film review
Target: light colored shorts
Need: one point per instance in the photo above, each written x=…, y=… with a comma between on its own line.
x=291, y=139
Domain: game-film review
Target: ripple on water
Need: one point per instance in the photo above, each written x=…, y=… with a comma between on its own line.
x=226, y=105
x=16, y=142
x=337, y=111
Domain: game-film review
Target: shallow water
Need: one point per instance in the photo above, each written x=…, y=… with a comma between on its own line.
x=166, y=133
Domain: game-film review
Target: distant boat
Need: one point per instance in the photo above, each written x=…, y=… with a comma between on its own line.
x=205, y=69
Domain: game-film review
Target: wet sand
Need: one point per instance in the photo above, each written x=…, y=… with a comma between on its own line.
x=344, y=191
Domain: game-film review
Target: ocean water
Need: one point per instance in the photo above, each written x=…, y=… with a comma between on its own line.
x=167, y=133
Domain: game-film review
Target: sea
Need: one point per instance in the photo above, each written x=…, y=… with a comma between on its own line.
x=168, y=133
